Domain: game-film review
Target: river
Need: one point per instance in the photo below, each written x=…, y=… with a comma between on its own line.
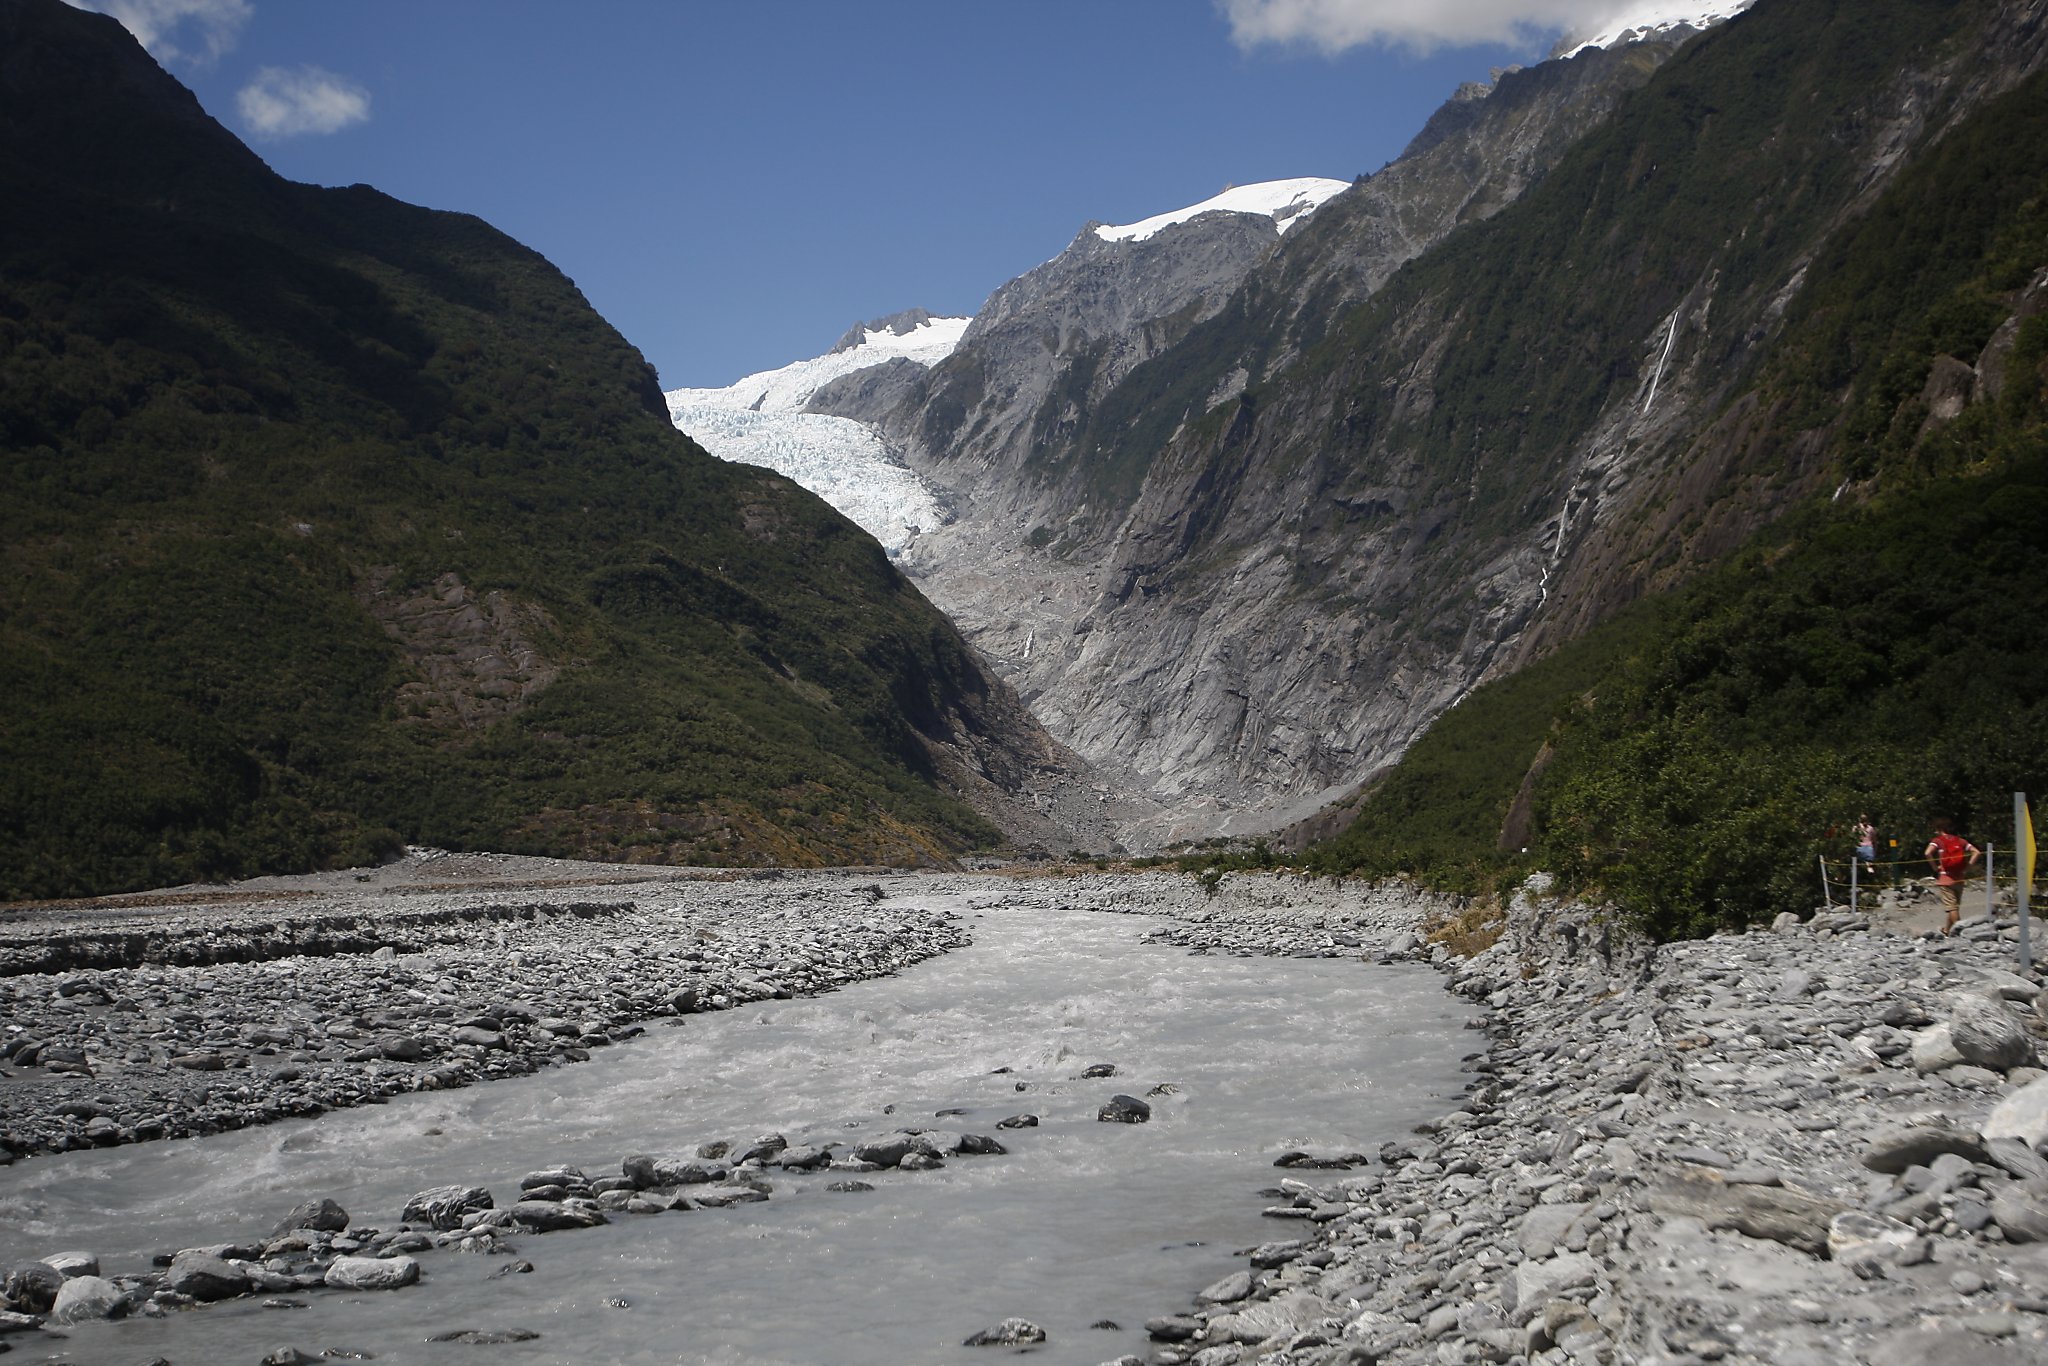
x=1081, y=1223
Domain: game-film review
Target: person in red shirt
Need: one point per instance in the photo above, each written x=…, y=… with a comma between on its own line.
x=1951, y=857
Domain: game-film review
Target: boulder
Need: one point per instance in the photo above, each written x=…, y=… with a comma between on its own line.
x=32, y=1286
x=443, y=1208
x=1282, y=1316
x=2022, y=1115
x=888, y=1151
x=1988, y=1033
x=2020, y=1208
x=85, y=1298
x=1008, y=1333
x=204, y=1276
x=73, y=1263
x=322, y=1214
x=647, y=1172
x=372, y=1273
x=1934, y=1049
x=1122, y=1109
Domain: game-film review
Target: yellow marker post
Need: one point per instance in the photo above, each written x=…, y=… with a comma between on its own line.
x=2023, y=851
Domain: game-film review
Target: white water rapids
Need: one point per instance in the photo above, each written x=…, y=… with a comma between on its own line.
x=1081, y=1221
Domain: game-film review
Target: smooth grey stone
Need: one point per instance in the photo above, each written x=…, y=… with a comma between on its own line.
x=564, y=1177
x=888, y=1151
x=1934, y=1049
x=648, y=1173
x=1174, y=1327
x=2016, y=1157
x=1894, y=1150
x=486, y=1337
x=805, y=1158
x=1018, y=1122
x=72, y=1263
x=2022, y=1115
x=719, y=1197
x=1230, y=1289
x=444, y=1207
x=322, y=1214
x=1269, y=1255
x=84, y=1298
x=848, y=1187
x=2021, y=1211
x=204, y=1276
x=372, y=1273
x=1544, y=1227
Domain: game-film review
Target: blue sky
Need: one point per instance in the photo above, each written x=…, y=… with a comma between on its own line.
x=734, y=183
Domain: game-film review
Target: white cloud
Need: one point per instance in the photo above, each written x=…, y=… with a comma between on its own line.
x=196, y=31
x=283, y=102
x=1334, y=25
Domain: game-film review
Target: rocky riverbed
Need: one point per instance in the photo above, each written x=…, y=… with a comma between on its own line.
x=211, y=1009
x=1814, y=1144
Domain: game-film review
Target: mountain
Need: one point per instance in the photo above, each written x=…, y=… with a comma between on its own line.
x=1229, y=685
x=1814, y=598
x=329, y=523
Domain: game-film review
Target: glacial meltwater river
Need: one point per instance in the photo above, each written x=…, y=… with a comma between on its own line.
x=1079, y=1223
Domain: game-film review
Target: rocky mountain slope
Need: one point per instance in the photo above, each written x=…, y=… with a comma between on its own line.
x=1246, y=551
x=329, y=523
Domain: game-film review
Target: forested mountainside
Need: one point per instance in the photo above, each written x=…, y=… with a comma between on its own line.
x=1299, y=534
x=1878, y=649
x=329, y=523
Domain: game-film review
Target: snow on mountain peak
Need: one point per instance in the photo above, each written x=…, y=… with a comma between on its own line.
x=788, y=389
x=760, y=420
x=1642, y=18
x=1286, y=202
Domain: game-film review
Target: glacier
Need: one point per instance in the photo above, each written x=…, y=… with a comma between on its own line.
x=759, y=420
